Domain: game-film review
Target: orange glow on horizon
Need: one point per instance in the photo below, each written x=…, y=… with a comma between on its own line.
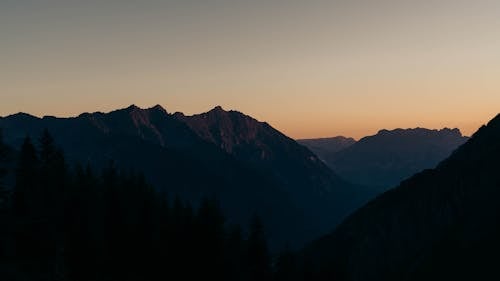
x=309, y=68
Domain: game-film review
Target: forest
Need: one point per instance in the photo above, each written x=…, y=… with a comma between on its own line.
x=64, y=221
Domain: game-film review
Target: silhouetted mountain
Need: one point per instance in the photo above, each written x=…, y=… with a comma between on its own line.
x=385, y=159
x=441, y=224
x=264, y=147
x=312, y=185
x=257, y=170
x=326, y=148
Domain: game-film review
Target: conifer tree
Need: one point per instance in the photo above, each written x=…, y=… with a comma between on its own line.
x=3, y=173
x=53, y=178
x=210, y=238
x=258, y=258
x=286, y=267
x=115, y=226
x=235, y=248
x=26, y=191
x=81, y=254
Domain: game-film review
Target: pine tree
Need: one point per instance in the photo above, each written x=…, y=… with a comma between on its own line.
x=286, y=267
x=117, y=227
x=161, y=251
x=81, y=253
x=235, y=248
x=258, y=258
x=26, y=191
x=210, y=238
x=5, y=222
x=3, y=172
x=35, y=240
x=114, y=223
x=53, y=184
x=53, y=176
x=47, y=148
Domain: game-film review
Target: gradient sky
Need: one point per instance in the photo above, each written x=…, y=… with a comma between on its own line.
x=309, y=68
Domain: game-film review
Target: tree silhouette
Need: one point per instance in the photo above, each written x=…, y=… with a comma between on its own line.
x=3, y=172
x=81, y=227
x=52, y=179
x=210, y=238
x=26, y=189
x=258, y=257
x=78, y=225
x=235, y=257
x=286, y=266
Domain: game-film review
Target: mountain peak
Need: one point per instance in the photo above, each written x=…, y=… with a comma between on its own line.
x=158, y=108
x=137, y=112
x=133, y=107
x=22, y=116
x=420, y=131
x=179, y=114
x=218, y=109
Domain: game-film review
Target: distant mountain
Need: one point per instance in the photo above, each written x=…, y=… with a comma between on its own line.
x=247, y=164
x=441, y=224
x=385, y=159
x=326, y=148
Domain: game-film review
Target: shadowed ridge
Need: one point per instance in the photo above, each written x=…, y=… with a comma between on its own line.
x=175, y=158
x=21, y=116
x=226, y=129
x=218, y=108
x=495, y=122
x=158, y=108
x=251, y=166
x=417, y=132
x=310, y=182
x=440, y=224
x=390, y=156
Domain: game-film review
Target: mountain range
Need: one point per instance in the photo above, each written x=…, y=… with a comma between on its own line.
x=248, y=165
x=440, y=224
x=386, y=158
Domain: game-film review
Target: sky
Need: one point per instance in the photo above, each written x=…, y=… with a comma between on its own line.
x=310, y=68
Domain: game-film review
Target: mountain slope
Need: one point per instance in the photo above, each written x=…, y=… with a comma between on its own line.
x=172, y=157
x=326, y=148
x=264, y=147
x=441, y=224
x=385, y=159
x=253, y=168
x=309, y=181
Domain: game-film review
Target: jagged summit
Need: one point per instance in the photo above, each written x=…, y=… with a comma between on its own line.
x=220, y=111
x=158, y=108
x=133, y=107
x=249, y=165
x=386, y=158
x=218, y=114
x=228, y=129
x=420, y=131
x=217, y=109
x=178, y=114
x=22, y=115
